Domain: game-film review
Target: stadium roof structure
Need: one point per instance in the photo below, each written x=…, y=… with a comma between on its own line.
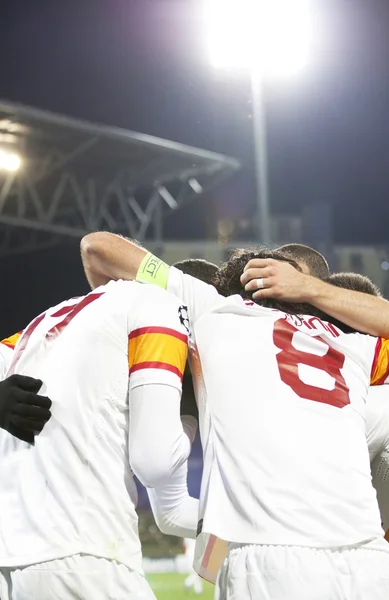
x=76, y=177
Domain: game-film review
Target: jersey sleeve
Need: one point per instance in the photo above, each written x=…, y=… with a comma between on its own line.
x=380, y=368
x=7, y=347
x=158, y=344
x=11, y=341
x=175, y=512
x=199, y=297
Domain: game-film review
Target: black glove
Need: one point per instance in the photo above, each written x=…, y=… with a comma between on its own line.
x=22, y=412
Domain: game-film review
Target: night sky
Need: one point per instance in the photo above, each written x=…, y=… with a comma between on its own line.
x=142, y=65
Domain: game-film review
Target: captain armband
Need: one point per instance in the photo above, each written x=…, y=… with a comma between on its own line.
x=153, y=270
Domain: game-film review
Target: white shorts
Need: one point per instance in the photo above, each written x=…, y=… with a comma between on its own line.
x=297, y=573
x=78, y=577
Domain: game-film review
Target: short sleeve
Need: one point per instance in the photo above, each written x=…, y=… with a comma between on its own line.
x=380, y=368
x=158, y=341
x=198, y=296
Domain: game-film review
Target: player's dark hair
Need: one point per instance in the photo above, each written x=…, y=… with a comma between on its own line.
x=227, y=282
x=316, y=263
x=354, y=282
x=227, y=279
x=199, y=268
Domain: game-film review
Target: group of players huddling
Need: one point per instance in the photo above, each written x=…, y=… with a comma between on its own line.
x=282, y=355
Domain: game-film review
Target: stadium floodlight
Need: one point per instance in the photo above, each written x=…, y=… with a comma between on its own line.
x=9, y=161
x=266, y=38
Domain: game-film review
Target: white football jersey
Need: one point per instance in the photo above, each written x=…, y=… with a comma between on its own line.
x=211, y=551
x=72, y=492
x=7, y=347
x=282, y=422
x=377, y=434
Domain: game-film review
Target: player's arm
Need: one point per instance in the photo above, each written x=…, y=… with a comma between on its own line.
x=175, y=512
x=108, y=256
x=158, y=442
x=158, y=349
x=363, y=312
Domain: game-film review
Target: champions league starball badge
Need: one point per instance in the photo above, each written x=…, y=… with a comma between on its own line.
x=184, y=317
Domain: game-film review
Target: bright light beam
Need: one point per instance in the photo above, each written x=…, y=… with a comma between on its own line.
x=9, y=161
x=267, y=37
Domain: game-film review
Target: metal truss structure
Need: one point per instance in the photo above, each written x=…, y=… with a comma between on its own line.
x=77, y=177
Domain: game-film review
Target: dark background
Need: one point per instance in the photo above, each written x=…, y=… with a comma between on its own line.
x=142, y=65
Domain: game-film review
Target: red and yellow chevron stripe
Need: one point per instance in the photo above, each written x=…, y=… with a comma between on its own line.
x=12, y=340
x=157, y=348
x=380, y=368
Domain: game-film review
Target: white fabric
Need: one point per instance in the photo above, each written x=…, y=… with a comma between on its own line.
x=157, y=445
x=291, y=470
x=193, y=581
x=74, y=578
x=296, y=573
x=158, y=456
x=5, y=360
x=175, y=512
x=377, y=434
x=380, y=474
x=73, y=491
x=377, y=420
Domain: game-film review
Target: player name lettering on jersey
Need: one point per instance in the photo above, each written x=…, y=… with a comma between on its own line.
x=312, y=323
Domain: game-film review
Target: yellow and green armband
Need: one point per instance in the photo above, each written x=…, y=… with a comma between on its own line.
x=153, y=270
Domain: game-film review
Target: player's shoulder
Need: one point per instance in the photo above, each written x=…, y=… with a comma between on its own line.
x=6, y=350
x=162, y=304
x=120, y=288
x=142, y=295
x=10, y=342
x=361, y=340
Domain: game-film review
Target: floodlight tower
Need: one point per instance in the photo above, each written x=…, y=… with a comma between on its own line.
x=266, y=38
